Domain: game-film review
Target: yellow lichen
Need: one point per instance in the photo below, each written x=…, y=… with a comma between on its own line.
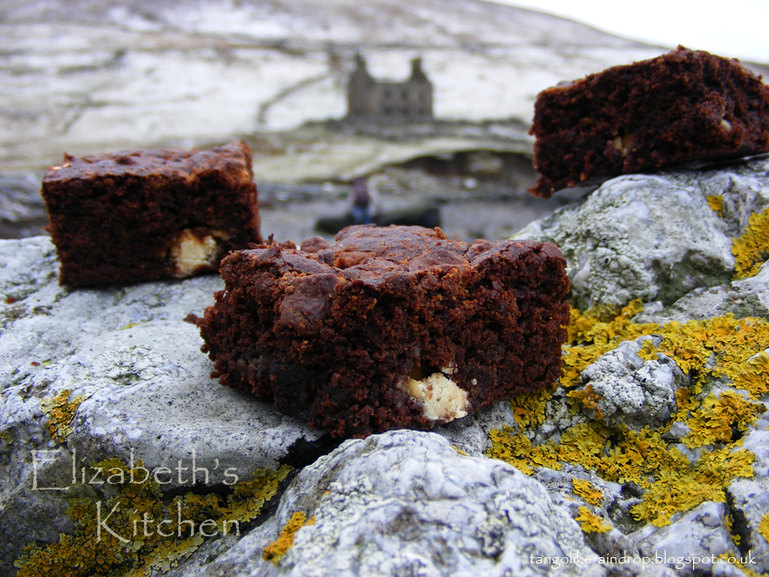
x=517, y=450
x=139, y=530
x=716, y=203
x=684, y=487
x=752, y=248
x=6, y=437
x=529, y=409
x=719, y=347
x=751, y=375
x=648, y=351
x=729, y=522
x=595, y=332
x=723, y=349
x=590, y=522
x=763, y=527
x=587, y=399
x=587, y=491
x=276, y=550
x=60, y=412
x=720, y=417
x=621, y=455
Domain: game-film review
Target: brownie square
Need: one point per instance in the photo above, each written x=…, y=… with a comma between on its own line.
x=679, y=107
x=150, y=214
x=388, y=327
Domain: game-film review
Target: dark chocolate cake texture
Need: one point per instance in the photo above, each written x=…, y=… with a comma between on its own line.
x=150, y=214
x=680, y=107
x=388, y=327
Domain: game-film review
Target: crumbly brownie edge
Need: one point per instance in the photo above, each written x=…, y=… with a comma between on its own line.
x=110, y=196
x=723, y=113
x=308, y=383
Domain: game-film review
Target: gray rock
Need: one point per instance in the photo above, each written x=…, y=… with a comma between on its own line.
x=654, y=237
x=143, y=386
x=749, y=502
x=22, y=211
x=627, y=389
x=471, y=434
x=560, y=486
x=407, y=503
x=742, y=187
x=743, y=298
x=756, y=441
x=631, y=390
x=693, y=544
x=755, y=289
x=129, y=369
x=638, y=566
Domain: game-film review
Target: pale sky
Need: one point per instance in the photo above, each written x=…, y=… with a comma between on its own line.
x=731, y=28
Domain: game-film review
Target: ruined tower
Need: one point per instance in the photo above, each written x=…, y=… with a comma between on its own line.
x=370, y=99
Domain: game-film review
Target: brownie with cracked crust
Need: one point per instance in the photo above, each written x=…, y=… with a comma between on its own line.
x=388, y=327
x=150, y=214
x=680, y=107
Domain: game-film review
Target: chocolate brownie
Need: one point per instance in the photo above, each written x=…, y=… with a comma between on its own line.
x=389, y=327
x=150, y=214
x=679, y=107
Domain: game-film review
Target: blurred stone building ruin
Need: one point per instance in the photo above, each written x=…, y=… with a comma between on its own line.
x=371, y=99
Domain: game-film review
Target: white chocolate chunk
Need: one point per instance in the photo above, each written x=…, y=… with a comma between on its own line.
x=439, y=396
x=191, y=252
x=623, y=144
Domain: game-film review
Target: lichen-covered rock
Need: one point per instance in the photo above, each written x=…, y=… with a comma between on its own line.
x=407, y=503
x=655, y=237
x=628, y=389
x=756, y=440
x=654, y=442
x=471, y=434
x=669, y=394
x=699, y=542
x=748, y=297
x=88, y=375
x=749, y=502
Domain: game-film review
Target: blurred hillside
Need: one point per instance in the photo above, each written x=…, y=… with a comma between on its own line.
x=86, y=76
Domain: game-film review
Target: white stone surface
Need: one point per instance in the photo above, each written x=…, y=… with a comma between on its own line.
x=749, y=499
x=631, y=390
x=401, y=503
x=693, y=544
x=407, y=503
x=654, y=237
x=146, y=386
